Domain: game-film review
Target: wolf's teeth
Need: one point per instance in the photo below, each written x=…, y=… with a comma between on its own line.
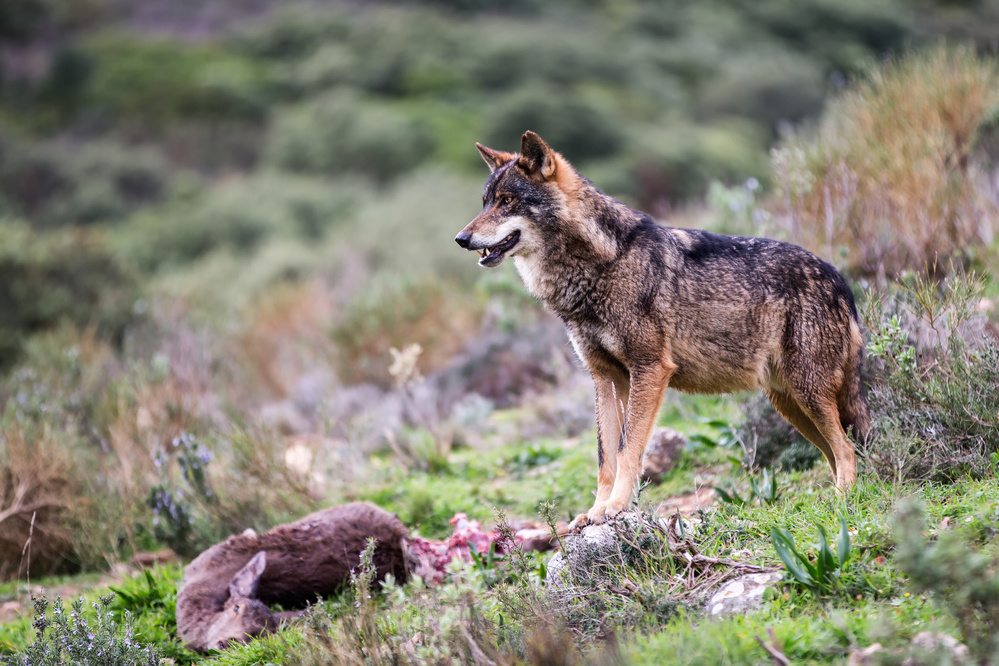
x=481, y=253
x=486, y=251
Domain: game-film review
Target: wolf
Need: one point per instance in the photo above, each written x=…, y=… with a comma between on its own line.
x=648, y=307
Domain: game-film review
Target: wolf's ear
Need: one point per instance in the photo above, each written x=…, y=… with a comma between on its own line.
x=536, y=158
x=244, y=584
x=494, y=158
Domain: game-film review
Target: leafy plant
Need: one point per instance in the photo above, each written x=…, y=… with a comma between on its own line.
x=764, y=489
x=823, y=575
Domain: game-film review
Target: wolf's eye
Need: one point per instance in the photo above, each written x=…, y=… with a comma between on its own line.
x=508, y=200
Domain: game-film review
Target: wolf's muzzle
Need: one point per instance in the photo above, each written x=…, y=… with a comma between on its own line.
x=463, y=239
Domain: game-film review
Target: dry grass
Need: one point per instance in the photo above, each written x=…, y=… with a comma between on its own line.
x=37, y=487
x=893, y=176
x=441, y=318
x=287, y=331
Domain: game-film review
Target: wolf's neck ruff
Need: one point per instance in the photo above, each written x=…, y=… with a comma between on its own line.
x=648, y=307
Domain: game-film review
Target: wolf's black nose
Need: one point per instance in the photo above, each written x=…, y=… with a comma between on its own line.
x=463, y=239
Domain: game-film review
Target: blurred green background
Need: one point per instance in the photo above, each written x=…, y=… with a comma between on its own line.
x=209, y=150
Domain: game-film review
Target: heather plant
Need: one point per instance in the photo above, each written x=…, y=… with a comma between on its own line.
x=176, y=498
x=932, y=370
x=83, y=637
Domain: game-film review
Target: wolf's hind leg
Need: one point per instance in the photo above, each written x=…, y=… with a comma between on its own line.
x=818, y=420
x=787, y=407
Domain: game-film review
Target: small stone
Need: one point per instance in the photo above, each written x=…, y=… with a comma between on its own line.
x=741, y=594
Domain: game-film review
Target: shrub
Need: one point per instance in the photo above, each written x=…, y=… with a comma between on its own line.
x=931, y=376
x=49, y=278
x=963, y=580
x=93, y=182
x=439, y=317
x=868, y=184
x=195, y=504
x=37, y=488
x=238, y=216
x=572, y=126
x=155, y=81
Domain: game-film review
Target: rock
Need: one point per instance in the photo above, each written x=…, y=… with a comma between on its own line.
x=595, y=546
x=741, y=594
x=662, y=453
x=864, y=657
x=148, y=560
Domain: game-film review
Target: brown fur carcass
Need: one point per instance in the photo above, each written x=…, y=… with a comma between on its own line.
x=226, y=590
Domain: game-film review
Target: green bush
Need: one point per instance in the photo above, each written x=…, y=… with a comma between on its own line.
x=156, y=81
x=97, y=182
x=47, y=278
x=341, y=135
x=578, y=129
x=238, y=216
x=963, y=580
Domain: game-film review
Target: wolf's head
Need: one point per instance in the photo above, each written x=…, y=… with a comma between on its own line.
x=523, y=196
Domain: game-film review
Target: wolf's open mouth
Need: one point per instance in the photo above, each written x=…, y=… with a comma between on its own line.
x=491, y=256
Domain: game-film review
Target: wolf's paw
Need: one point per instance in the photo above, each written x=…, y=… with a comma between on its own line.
x=601, y=511
x=578, y=523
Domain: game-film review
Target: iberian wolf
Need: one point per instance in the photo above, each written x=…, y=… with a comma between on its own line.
x=648, y=306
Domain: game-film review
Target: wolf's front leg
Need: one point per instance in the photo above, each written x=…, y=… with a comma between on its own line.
x=612, y=399
x=648, y=386
x=611, y=386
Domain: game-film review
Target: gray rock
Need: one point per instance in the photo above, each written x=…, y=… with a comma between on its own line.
x=741, y=594
x=583, y=555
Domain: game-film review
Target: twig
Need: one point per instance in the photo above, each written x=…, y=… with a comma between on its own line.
x=27, y=549
x=779, y=658
x=477, y=654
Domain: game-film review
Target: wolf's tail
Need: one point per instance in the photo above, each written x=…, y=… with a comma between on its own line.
x=853, y=411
